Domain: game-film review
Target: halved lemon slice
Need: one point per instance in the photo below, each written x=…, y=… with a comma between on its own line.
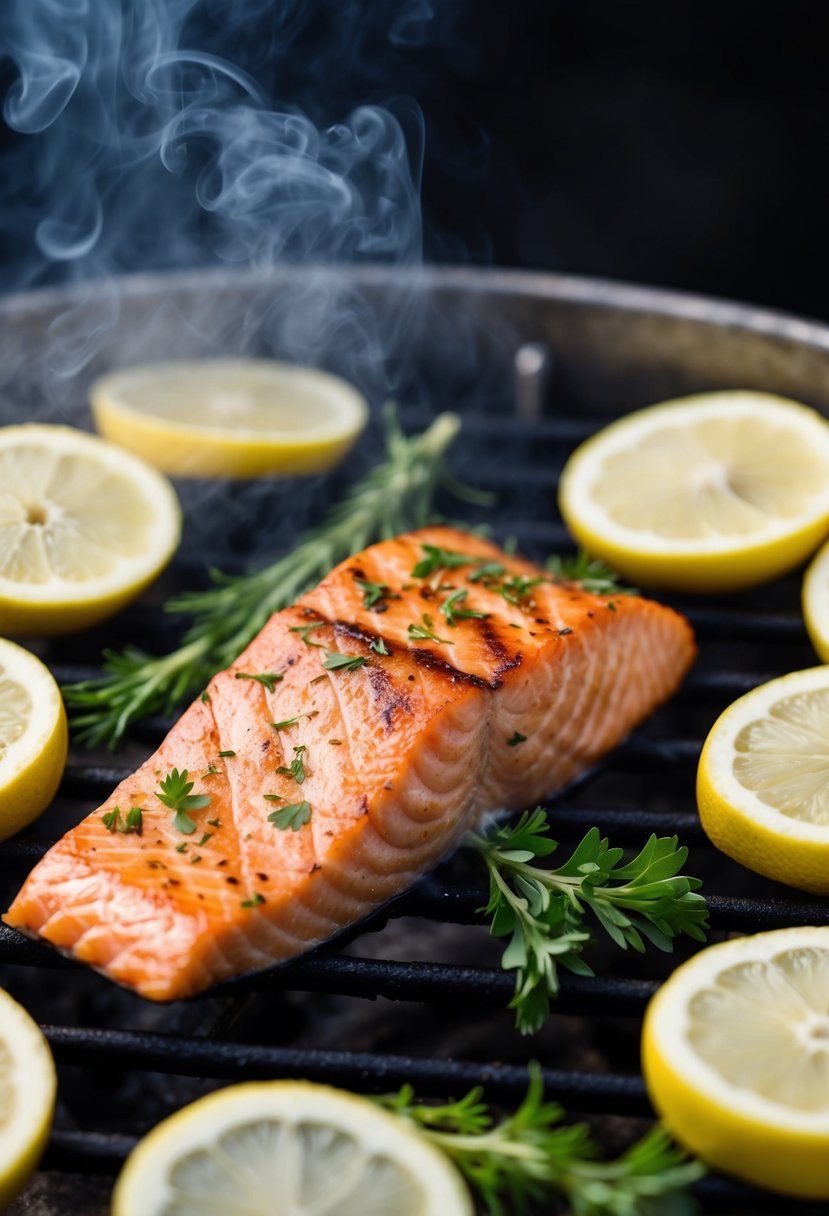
x=33, y=738
x=287, y=1148
x=84, y=527
x=709, y=493
x=27, y=1097
x=735, y=1052
x=815, y=602
x=230, y=417
x=763, y=780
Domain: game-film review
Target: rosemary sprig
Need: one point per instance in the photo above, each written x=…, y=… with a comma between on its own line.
x=543, y=911
x=530, y=1159
x=591, y=572
x=394, y=497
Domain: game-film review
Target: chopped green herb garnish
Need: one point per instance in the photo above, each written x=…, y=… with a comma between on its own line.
x=296, y=768
x=518, y=587
x=449, y=608
x=274, y=797
x=214, y=823
x=516, y=739
x=135, y=821
x=205, y=697
x=439, y=559
x=334, y=661
x=111, y=819
x=195, y=859
x=207, y=836
x=378, y=646
x=565, y=632
x=489, y=570
x=304, y=630
x=182, y=848
x=591, y=572
x=375, y=594
x=285, y=724
x=227, y=752
x=266, y=678
x=255, y=901
x=611, y=606
x=292, y=816
x=211, y=771
x=424, y=633
x=174, y=792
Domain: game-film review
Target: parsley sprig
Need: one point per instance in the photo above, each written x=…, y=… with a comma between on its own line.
x=425, y=633
x=591, y=572
x=174, y=792
x=396, y=496
x=334, y=661
x=529, y=1160
x=543, y=911
x=296, y=769
x=452, y=609
x=292, y=816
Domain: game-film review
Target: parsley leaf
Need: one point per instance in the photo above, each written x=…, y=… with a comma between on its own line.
x=439, y=559
x=591, y=572
x=516, y=739
x=375, y=594
x=265, y=678
x=449, y=608
x=174, y=792
x=424, y=633
x=296, y=769
x=304, y=630
x=255, y=901
x=378, y=646
x=292, y=816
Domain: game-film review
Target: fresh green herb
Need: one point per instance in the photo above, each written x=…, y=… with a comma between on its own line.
x=449, y=608
x=439, y=559
x=274, y=797
x=285, y=723
x=424, y=633
x=256, y=900
x=375, y=594
x=211, y=771
x=565, y=632
x=296, y=768
x=195, y=859
x=378, y=646
x=135, y=821
x=517, y=588
x=334, y=661
x=611, y=607
x=228, y=753
x=394, y=497
x=182, y=848
x=205, y=697
x=530, y=1160
x=591, y=572
x=488, y=572
x=266, y=678
x=543, y=910
x=304, y=630
x=207, y=836
x=292, y=816
x=516, y=739
x=214, y=823
x=175, y=793
x=111, y=819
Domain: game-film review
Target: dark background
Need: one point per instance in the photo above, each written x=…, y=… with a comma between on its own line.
x=681, y=144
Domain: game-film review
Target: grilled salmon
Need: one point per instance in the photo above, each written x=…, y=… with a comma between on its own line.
x=426, y=681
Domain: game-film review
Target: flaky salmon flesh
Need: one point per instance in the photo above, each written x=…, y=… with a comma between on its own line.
x=428, y=680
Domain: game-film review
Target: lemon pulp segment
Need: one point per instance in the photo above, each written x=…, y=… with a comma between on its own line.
x=736, y=1058
x=27, y=1097
x=84, y=527
x=230, y=417
x=707, y=493
x=763, y=780
x=815, y=602
x=287, y=1149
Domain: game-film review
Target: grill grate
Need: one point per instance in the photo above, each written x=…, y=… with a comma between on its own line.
x=254, y=1027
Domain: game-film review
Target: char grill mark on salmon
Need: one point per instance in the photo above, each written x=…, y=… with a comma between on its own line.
x=497, y=688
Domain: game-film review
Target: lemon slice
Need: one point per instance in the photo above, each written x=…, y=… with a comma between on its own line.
x=815, y=602
x=33, y=738
x=763, y=780
x=735, y=1052
x=27, y=1097
x=287, y=1148
x=84, y=527
x=230, y=417
x=709, y=493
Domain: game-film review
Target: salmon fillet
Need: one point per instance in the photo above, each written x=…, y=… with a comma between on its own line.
x=468, y=682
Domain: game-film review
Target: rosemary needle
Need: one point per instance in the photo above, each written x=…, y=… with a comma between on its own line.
x=394, y=497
